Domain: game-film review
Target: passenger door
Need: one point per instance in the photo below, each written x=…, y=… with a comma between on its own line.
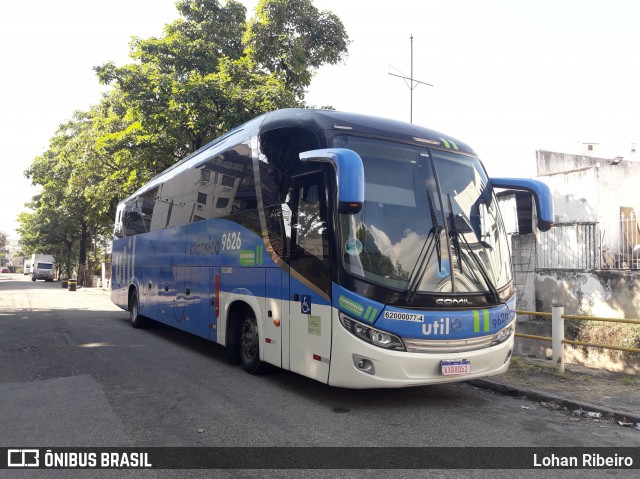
x=275, y=318
x=310, y=279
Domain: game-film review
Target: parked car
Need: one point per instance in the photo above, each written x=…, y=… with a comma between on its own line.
x=5, y=270
x=42, y=267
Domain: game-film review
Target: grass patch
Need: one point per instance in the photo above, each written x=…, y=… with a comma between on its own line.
x=605, y=333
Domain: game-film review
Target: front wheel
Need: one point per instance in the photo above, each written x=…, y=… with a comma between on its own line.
x=137, y=320
x=250, y=345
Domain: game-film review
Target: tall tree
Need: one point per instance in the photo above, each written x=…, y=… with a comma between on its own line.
x=179, y=86
x=117, y=156
x=292, y=38
x=51, y=231
x=211, y=71
x=65, y=179
x=208, y=72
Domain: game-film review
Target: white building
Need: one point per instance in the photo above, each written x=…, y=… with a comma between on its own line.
x=596, y=200
x=590, y=260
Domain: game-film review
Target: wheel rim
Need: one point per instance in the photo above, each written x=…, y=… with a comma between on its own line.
x=248, y=339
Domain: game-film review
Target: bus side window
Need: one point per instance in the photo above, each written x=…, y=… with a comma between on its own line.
x=278, y=219
x=118, y=230
x=223, y=187
x=309, y=253
x=309, y=209
x=288, y=214
x=310, y=223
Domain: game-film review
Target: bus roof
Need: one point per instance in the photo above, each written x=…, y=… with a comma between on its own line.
x=323, y=121
x=364, y=124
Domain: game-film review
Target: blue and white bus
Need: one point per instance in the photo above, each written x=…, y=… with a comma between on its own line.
x=357, y=251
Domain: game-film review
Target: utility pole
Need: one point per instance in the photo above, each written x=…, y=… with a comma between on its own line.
x=412, y=84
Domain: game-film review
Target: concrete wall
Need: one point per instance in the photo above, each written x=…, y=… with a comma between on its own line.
x=552, y=162
x=576, y=195
x=586, y=191
x=589, y=189
x=604, y=293
x=601, y=293
x=534, y=348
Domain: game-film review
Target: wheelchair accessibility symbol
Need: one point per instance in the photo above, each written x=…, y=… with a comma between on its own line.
x=444, y=271
x=305, y=305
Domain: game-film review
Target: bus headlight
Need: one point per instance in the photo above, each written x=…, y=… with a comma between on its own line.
x=371, y=335
x=504, y=334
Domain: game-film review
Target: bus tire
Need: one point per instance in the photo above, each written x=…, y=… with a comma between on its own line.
x=137, y=320
x=250, y=344
x=232, y=354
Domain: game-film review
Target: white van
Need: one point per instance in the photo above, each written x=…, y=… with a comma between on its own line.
x=42, y=267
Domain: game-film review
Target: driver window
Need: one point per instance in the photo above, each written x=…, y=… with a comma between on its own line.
x=309, y=254
x=311, y=228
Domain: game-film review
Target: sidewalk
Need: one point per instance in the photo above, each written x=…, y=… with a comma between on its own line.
x=585, y=392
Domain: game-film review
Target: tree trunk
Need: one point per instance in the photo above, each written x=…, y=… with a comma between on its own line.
x=68, y=247
x=82, y=259
x=91, y=257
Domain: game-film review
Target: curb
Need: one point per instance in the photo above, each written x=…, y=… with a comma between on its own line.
x=545, y=396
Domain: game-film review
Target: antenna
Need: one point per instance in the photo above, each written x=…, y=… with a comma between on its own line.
x=412, y=84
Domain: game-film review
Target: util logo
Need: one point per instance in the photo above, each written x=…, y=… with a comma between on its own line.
x=442, y=326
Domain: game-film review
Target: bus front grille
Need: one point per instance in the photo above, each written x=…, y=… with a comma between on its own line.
x=447, y=345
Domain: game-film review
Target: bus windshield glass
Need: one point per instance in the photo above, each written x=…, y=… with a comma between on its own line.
x=429, y=223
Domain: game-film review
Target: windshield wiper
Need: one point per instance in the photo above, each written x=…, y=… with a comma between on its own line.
x=421, y=265
x=436, y=229
x=453, y=228
x=456, y=235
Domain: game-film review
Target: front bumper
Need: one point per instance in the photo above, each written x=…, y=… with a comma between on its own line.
x=395, y=369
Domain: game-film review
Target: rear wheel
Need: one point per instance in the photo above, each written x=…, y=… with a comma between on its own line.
x=137, y=321
x=250, y=344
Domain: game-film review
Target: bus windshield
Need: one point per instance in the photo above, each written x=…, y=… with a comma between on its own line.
x=429, y=223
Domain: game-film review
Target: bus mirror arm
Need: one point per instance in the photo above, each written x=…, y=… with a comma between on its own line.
x=349, y=175
x=541, y=195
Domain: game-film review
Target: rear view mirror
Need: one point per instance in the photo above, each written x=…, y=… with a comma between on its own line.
x=349, y=175
x=541, y=195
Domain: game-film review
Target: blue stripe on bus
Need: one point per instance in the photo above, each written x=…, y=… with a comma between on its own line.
x=451, y=324
x=354, y=305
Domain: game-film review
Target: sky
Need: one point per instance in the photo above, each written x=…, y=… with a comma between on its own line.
x=509, y=76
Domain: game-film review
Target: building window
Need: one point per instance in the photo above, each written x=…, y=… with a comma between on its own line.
x=202, y=198
x=222, y=202
x=228, y=180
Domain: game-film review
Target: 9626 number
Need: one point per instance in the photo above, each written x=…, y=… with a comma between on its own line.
x=231, y=241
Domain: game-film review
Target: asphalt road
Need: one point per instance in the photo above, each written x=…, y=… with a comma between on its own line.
x=73, y=372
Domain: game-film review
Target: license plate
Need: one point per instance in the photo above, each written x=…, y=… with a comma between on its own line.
x=459, y=366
